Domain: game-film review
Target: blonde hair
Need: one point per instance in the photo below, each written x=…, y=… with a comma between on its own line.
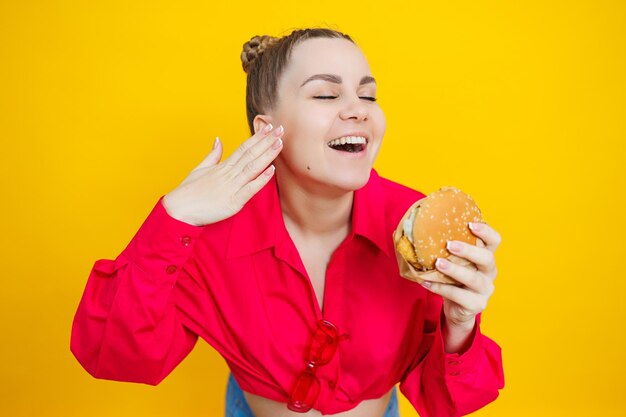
x=264, y=58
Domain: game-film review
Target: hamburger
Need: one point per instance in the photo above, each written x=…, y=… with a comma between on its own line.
x=425, y=229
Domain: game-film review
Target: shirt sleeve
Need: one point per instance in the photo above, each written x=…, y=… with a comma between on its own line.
x=127, y=326
x=447, y=385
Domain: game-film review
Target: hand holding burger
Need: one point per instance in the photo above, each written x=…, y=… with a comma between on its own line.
x=451, y=245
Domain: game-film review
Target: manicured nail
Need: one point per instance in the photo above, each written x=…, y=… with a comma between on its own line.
x=277, y=144
x=453, y=246
x=426, y=284
x=217, y=140
x=441, y=263
x=474, y=226
x=280, y=130
x=270, y=170
x=267, y=128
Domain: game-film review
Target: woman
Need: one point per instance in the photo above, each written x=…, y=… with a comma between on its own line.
x=281, y=258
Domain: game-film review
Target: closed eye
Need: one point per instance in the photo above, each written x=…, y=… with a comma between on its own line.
x=333, y=97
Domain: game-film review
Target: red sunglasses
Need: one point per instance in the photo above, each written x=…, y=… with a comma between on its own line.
x=322, y=349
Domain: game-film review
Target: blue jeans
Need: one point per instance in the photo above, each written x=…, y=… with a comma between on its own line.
x=237, y=406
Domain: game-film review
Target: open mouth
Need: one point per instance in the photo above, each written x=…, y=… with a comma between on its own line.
x=351, y=144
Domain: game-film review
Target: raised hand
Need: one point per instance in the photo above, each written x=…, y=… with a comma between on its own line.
x=214, y=191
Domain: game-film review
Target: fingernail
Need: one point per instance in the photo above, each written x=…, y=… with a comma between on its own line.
x=426, y=284
x=474, y=226
x=441, y=263
x=277, y=144
x=267, y=128
x=270, y=170
x=280, y=130
x=217, y=140
x=453, y=246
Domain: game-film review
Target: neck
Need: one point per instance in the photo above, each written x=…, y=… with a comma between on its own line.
x=313, y=211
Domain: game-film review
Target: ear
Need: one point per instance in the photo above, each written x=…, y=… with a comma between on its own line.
x=260, y=121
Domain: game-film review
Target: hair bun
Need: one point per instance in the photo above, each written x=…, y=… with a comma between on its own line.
x=254, y=48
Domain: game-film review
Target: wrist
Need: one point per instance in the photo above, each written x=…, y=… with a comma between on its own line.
x=461, y=326
x=457, y=337
x=173, y=209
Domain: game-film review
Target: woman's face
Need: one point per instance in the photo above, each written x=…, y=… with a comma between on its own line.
x=325, y=102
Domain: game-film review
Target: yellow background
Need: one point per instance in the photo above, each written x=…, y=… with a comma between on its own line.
x=105, y=106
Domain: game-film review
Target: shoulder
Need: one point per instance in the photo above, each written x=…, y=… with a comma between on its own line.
x=398, y=192
x=395, y=198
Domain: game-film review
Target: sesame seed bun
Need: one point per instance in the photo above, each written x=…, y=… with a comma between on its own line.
x=427, y=226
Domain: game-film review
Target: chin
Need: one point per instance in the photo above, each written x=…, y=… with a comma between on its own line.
x=350, y=181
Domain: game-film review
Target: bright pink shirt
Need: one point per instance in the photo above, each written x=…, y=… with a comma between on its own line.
x=240, y=284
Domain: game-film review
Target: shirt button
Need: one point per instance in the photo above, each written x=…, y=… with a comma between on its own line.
x=186, y=240
x=331, y=384
x=454, y=362
x=171, y=269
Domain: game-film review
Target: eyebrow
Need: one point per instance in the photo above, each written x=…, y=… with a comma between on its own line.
x=332, y=78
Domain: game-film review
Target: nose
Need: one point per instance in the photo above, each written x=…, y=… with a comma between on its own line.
x=354, y=109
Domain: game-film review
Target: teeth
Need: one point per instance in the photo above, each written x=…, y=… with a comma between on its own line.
x=348, y=139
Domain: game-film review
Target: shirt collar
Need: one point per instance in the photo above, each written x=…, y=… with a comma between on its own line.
x=260, y=225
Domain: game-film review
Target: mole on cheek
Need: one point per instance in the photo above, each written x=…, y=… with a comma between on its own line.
x=308, y=167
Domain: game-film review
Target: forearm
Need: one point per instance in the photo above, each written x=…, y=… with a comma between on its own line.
x=127, y=326
x=455, y=384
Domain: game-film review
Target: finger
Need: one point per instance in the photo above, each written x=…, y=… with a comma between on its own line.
x=466, y=275
x=251, y=188
x=257, y=158
x=253, y=168
x=249, y=143
x=214, y=156
x=489, y=236
x=258, y=149
x=482, y=257
x=465, y=298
